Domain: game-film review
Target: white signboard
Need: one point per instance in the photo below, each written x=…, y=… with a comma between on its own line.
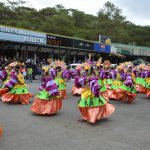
x=35, y=40
x=9, y=30
x=21, y=35
x=143, y=53
x=148, y=53
x=113, y=49
x=136, y=52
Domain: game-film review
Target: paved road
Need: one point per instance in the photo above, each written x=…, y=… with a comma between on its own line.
x=127, y=129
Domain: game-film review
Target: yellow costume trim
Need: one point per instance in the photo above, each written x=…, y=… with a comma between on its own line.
x=133, y=77
x=86, y=93
x=19, y=85
x=147, y=80
x=20, y=78
x=118, y=76
x=117, y=83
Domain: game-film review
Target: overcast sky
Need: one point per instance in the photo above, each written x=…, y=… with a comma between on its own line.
x=136, y=11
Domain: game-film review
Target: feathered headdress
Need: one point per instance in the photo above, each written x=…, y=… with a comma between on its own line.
x=14, y=64
x=129, y=64
x=141, y=66
x=60, y=64
x=86, y=65
x=107, y=63
x=8, y=67
x=146, y=67
x=120, y=66
x=98, y=63
x=125, y=66
x=45, y=68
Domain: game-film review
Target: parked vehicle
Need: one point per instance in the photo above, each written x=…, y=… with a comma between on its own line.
x=73, y=66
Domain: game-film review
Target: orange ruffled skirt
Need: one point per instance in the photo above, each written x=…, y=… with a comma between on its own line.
x=148, y=92
x=44, y=107
x=1, y=132
x=105, y=95
x=16, y=98
x=3, y=91
x=126, y=96
x=140, y=89
x=93, y=114
x=76, y=91
x=115, y=95
x=63, y=94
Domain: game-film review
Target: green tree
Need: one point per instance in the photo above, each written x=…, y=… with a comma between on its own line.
x=75, y=23
x=111, y=22
x=16, y=3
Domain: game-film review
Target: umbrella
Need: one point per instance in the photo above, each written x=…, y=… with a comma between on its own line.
x=140, y=61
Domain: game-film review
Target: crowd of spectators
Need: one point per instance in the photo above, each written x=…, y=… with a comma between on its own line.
x=30, y=69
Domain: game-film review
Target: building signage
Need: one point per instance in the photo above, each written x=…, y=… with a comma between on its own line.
x=125, y=52
x=59, y=41
x=21, y=35
x=34, y=40
x=69, y=42
x=104, y=44
x=104, y=39
x=102, y=48
x=9, y=30
x=113, y=49
x=143, y=52
x=83, y=44
x=136, y=51
x=148, y=52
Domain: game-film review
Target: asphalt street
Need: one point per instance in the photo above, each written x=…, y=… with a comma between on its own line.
x=127, y=129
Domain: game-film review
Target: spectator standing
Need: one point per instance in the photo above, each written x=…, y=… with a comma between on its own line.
x=24, y=72
x=39, y=72
x=30, y=72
